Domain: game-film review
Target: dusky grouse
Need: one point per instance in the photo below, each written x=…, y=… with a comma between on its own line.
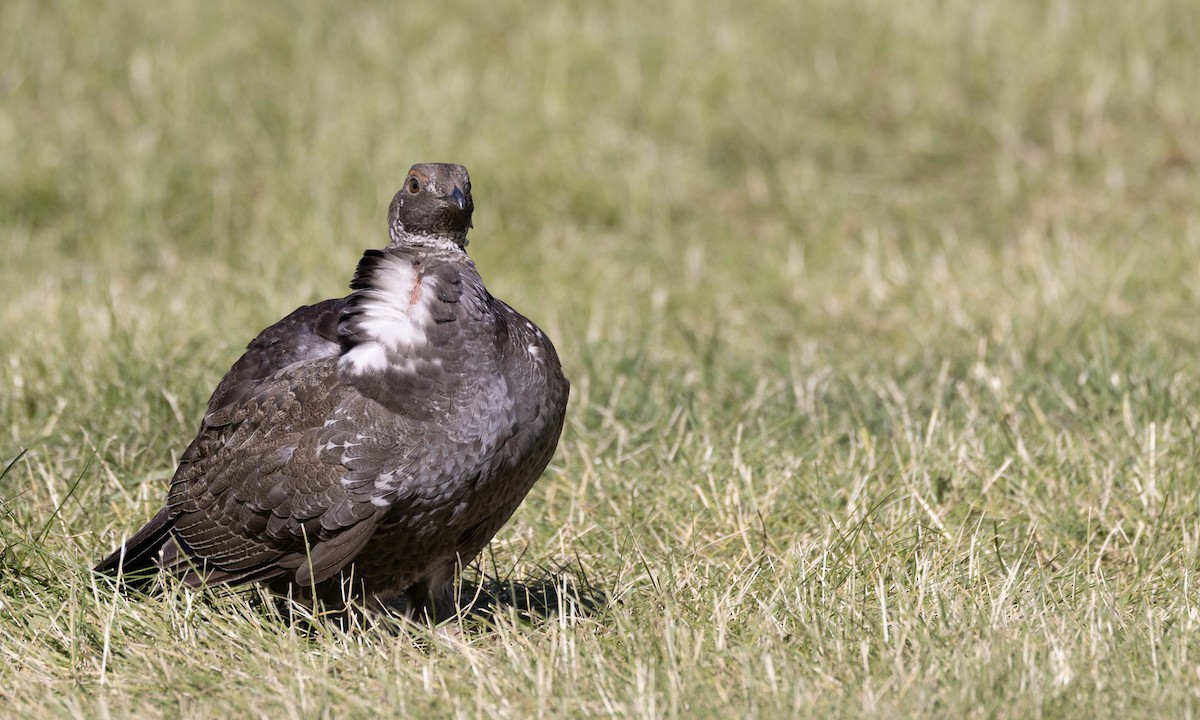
x=364, y=447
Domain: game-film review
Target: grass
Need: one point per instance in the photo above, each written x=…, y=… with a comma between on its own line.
x=881, y=320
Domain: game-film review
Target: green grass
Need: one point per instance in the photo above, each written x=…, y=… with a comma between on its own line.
x=881, y=320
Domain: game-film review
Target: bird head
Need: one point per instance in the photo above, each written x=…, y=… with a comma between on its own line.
x=435, y=203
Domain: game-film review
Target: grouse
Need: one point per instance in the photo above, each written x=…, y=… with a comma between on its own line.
x=364, y=447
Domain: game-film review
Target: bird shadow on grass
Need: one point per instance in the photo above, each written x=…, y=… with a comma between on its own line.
x=483, y=600
x=565, y=590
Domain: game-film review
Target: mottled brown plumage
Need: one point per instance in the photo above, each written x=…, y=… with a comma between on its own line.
x=365, y=446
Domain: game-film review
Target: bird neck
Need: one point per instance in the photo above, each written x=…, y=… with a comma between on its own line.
x=439, y=241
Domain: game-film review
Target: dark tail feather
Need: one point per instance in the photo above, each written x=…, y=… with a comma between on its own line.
x=136, y=560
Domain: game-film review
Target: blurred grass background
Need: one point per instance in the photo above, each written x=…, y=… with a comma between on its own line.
x=880, y=318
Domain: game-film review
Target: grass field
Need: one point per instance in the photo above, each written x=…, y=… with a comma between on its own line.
x=881, y=320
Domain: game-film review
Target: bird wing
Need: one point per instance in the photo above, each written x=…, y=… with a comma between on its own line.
x=278, y=480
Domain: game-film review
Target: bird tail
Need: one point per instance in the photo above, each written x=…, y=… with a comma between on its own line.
x=136, y=560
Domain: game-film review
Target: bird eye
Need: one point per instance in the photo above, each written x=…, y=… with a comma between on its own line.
x=414, y=185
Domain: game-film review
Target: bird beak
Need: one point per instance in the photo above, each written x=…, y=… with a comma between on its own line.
x=459, y=199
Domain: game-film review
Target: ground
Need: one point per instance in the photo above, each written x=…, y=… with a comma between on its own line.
x=881, y=320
